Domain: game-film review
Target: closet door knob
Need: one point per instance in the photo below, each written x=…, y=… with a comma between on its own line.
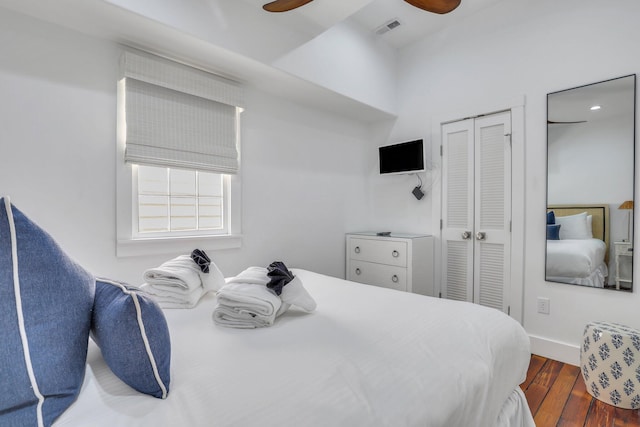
x=395, y=254
x=357, y=249
x=481, y=235
x=358, y=271
x=466, y=235
x=394, y=278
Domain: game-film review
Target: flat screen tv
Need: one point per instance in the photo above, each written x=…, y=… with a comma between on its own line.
x=405, y=157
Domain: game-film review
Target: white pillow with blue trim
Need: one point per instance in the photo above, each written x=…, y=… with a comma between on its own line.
x=132, y=333
x=45, y=313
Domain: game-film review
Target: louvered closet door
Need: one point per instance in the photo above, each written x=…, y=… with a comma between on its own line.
x=492, y=210
x=476, y=210
x=457, y=210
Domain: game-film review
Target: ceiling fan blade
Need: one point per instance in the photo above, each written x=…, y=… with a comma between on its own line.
x=551, y=122
x=435, y=6
x=284, y=5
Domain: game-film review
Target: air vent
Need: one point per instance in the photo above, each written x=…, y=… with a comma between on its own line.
x=387, y=26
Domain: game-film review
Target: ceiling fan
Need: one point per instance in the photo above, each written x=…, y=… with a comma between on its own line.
x=434, y=6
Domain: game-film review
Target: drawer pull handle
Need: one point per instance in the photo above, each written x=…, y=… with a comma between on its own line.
x=357, y=249
x=358, y=271
x=395, y=254
x=394, y=278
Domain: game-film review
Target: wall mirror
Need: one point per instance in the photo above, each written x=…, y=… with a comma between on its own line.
x=590, y=184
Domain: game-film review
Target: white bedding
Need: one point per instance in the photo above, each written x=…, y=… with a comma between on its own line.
x=368, y=356
x=574, y=258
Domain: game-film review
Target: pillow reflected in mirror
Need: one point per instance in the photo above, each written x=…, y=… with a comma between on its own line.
x=551, y=218
x=553, y=231
x=574, y=227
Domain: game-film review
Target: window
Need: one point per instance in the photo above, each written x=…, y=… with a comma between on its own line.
x=178, y=157
x=176, y=201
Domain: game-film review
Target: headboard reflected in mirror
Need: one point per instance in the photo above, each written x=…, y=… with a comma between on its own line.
x=591, y=173
x=579, y=253
x=599, y=214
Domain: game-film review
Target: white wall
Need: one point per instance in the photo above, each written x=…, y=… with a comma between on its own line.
x=304, y=176
x=521, y=47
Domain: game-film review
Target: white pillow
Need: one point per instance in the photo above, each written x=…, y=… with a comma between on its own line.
x=574, y=226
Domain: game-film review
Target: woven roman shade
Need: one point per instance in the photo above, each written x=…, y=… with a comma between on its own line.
x=178, y=116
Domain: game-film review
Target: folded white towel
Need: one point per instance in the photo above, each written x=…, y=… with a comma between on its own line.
x=181, y=272
x=244, y=305
x=180, y=282
x=246, y=302
x=168, y=297
x=252, y=275
x=293, y=293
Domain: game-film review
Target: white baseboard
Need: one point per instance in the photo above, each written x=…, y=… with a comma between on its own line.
x=562, y=352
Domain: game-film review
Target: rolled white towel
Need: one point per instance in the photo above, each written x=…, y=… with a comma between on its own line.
x=181, y=272
x=243, y=305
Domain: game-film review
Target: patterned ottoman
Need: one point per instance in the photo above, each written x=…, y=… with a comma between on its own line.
x=610, y=361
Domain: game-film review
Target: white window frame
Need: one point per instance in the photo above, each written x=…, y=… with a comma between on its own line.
x=127, y=245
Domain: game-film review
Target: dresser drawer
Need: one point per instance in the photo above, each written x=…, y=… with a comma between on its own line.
x=389, y=252
x=386, y=276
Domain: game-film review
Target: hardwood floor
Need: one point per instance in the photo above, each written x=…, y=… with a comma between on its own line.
x=558, y=398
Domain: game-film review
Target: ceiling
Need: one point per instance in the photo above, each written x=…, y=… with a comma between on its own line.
x=239, y=40
x=415, y=24
x=371, y=14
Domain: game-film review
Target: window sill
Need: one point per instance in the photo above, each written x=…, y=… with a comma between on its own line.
x=170, y=245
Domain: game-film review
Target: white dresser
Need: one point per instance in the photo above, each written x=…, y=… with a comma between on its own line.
x=398, y=261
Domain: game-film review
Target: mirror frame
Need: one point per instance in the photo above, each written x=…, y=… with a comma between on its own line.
x=633, y=187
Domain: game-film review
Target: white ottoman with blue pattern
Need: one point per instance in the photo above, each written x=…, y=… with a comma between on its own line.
x=610, y=362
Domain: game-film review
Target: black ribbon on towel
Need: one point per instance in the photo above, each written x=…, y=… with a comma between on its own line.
x=280, y=276
x=200, y=257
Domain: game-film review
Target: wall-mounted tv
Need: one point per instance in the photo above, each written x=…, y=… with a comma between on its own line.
x=405, y=157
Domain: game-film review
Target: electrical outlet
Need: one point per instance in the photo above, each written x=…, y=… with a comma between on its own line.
x=543, y=305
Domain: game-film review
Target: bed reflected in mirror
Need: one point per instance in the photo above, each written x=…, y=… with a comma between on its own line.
x=590, y=184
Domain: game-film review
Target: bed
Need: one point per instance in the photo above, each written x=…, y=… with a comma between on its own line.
x=344, y=354
x=367, y=356
x=581, y=256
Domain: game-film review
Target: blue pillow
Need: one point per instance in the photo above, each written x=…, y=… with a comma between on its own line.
x=551, y=217
x=45, y=313
x=553, y=232
x=132, y=333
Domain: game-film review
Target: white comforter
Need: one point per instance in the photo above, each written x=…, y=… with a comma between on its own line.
x=367, y=357
x=574, y=258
